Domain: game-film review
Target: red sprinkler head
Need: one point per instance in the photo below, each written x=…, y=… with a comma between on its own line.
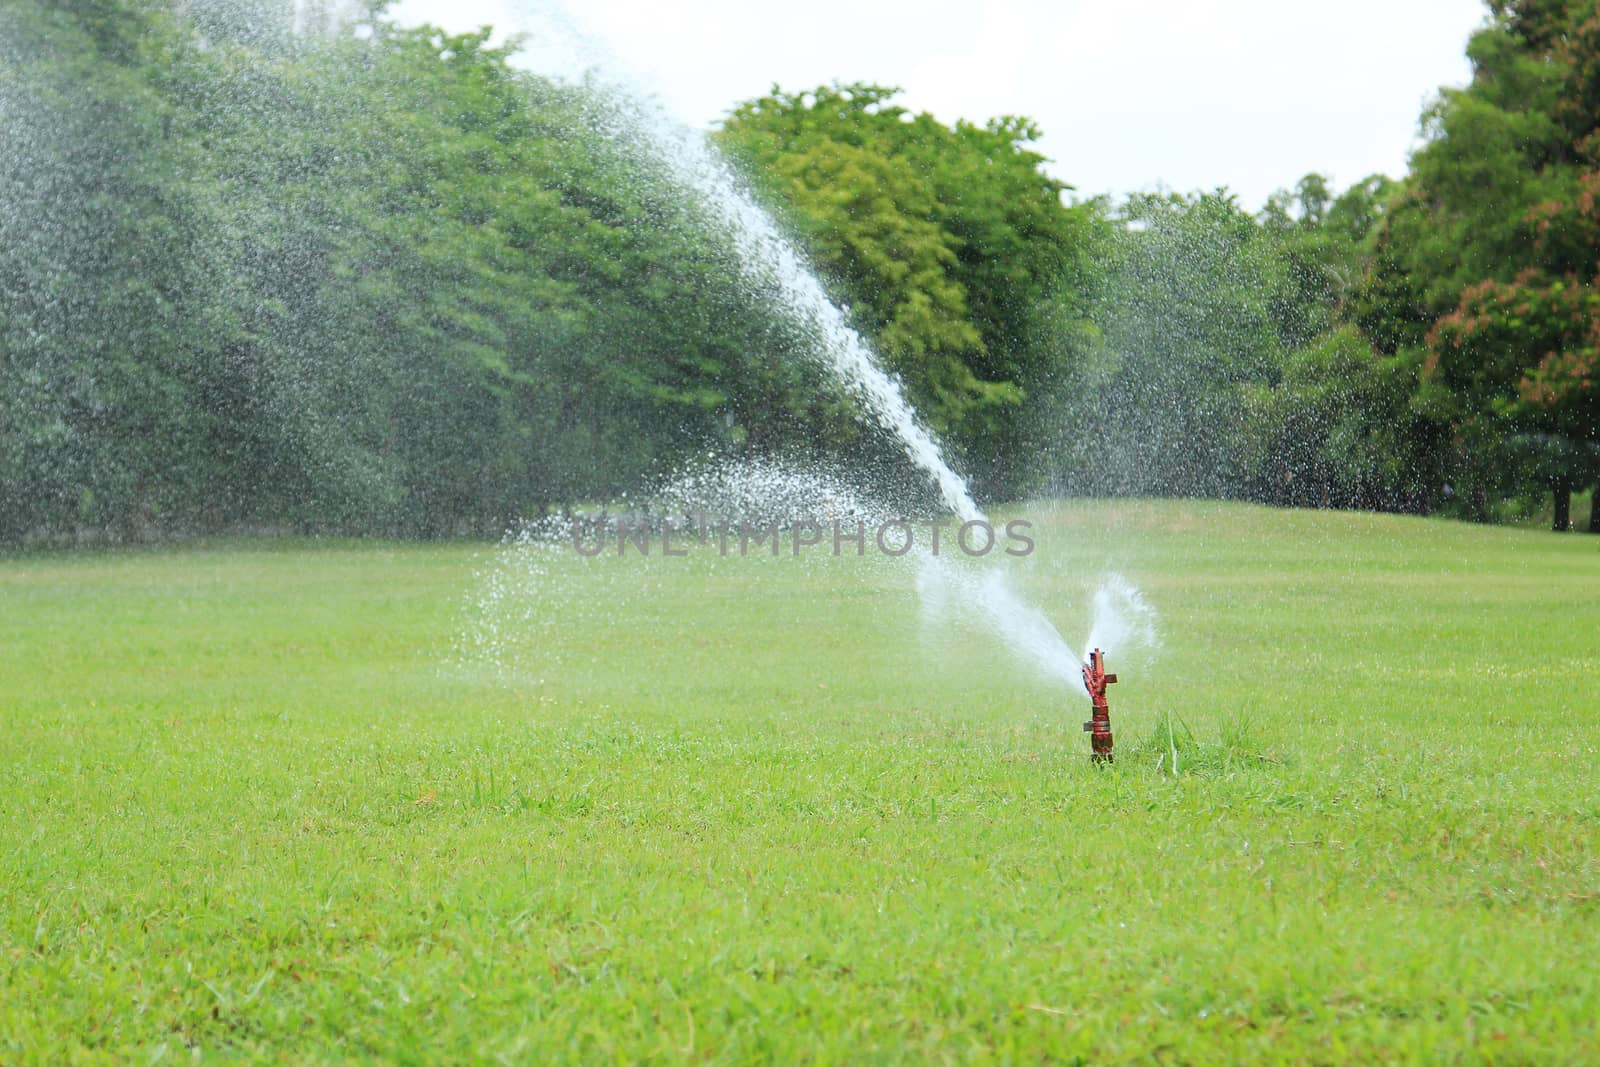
x=1095, y=680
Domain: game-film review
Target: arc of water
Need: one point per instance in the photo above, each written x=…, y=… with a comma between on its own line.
x=766, y=256
x=774, y=265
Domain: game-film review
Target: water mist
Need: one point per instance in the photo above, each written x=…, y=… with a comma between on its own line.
x=776, y=271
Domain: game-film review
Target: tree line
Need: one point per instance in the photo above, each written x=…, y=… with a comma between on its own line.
x=380, y=280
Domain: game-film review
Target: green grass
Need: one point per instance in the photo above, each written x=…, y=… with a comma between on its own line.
x=254, y=805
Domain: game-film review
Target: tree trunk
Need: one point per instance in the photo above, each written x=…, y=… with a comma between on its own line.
x=1594, y=510
x=1480, y=503
x=1563, y=493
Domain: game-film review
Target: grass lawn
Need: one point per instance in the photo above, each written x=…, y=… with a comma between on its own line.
x=255, y=802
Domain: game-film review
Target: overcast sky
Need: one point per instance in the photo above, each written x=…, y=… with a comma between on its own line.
x=1131, y=94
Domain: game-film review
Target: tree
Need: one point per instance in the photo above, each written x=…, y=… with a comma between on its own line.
x=1486, y=264
x=101, y=327
x=385, y=285
x=950, y=246
x=1188, y=315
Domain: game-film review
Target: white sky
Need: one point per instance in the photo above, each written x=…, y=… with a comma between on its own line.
x=1131, y=94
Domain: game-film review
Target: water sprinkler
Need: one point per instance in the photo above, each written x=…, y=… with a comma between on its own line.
x=1095, y=680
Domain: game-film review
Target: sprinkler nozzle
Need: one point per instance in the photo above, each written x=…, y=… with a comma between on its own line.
x=1095, y=680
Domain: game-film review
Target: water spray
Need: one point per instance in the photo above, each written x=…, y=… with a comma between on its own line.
x=777, y=272
x=1095, y=680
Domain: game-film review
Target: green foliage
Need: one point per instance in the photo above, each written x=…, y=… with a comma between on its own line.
x=1338, y=430
x=1227, y=364
x=393, y=285
x=948, y=244
x=1485, y=262
x=383, y=285
x=388, y=283
x=100, y=271
x=1187, y=314
x=1324, y=242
